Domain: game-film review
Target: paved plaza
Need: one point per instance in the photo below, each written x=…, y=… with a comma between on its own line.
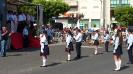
x=28, y=61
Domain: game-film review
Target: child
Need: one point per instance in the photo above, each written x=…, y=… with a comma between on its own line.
x=96, y=42
x=117, y=52
x=69, y=45
x=44, y=48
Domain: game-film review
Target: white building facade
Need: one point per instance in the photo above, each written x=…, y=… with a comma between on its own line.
x=96, y=13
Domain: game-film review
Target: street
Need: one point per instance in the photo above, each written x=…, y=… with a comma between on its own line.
x=28, y=61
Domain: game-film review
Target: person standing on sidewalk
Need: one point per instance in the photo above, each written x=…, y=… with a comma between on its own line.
x=4, y=41
x=44, y=48
x=96, y=42
x=130, y=48
x=69, y=44
x=117, y=52
x=26, y=36
x=78, y=39
x=106, y=38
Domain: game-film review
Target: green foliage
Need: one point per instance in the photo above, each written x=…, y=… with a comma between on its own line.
x=27, y=9
x=52, y=8
x=124, y=15
x=94, y=25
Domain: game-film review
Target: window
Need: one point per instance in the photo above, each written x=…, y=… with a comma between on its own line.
x=124, y=2
x=115, y=3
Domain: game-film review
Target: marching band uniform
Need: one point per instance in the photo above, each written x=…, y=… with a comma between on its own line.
x=69, y=46
x=44, y=49
x=96, y=39
x=117, y=51
x=117, y=47
x=96, y=42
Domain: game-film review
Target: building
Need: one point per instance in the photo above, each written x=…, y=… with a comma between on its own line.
x=94, y=13
x=116, y=3
x=69, y=18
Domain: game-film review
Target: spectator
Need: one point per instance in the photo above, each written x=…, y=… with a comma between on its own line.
x=26, y=36
x=4, y=41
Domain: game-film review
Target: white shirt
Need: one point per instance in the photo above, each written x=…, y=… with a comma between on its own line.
x=126, y=34
x=78, y=37
x=107, y=37
x=68, y=39
x=130, y=40
x=42, y=38
x=96, y=36
x=43, y=41
x=116, y=43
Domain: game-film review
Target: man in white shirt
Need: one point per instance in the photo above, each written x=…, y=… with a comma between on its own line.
x=106, y=39
x=78, y=39
x=130, y=48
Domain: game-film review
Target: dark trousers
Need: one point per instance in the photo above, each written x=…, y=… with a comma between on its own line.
x=26, y=41
x=21, y=25
x=106, y=46
x=130, y=54
x=78, y=49
x=49, y=39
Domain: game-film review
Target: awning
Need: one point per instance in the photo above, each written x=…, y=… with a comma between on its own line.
x=13, y=4
x=19, y=2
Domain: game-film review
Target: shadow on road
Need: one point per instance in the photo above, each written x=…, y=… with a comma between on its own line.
x=79, y=58
x=15, y=55
x=53, y=64
x=84, y=57
x=124, y=67
x=23, y=50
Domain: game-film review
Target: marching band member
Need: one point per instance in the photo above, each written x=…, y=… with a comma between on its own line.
x=96, y=42
x=44, y=48
x=69, y=45
x=117, y=52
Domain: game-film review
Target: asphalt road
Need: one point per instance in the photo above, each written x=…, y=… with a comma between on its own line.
x=28, y=61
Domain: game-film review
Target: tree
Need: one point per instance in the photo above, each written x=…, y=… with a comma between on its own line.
x=124, y=15
x=52, y=8
x=27, y=9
